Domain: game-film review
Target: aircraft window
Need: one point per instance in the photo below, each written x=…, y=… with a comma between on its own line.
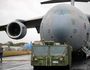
x=63, y=12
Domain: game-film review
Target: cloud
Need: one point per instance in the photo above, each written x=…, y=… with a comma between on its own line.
x=19, y=9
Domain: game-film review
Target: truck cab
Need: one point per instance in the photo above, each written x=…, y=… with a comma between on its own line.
x=50, y=54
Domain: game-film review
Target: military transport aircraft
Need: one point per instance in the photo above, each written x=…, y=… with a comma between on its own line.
x=63, y=23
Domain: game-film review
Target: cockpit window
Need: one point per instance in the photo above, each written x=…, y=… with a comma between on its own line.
x=62, y=11
x=40, y=51
x=56, y=51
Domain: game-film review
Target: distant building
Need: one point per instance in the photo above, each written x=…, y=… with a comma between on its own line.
x=12, y=48
x=5, y=47
x=16, y=48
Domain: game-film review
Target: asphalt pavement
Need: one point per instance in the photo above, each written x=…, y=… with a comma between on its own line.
x=24, y=63
x=16, y=63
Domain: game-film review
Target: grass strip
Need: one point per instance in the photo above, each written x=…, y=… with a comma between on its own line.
x=15, y=53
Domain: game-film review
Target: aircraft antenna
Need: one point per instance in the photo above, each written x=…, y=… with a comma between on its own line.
x=72, y=2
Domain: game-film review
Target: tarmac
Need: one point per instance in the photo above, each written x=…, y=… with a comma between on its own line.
x=24, y=63
x=16, y=63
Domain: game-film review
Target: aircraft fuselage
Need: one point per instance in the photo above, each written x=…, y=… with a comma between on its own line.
x=65, y=24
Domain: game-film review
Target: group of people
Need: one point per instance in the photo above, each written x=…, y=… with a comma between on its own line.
x=1, y=53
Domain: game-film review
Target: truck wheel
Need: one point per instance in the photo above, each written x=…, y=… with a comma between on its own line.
x=52, y=68
x=39, y=68
x=36, y=67
x=68, y=67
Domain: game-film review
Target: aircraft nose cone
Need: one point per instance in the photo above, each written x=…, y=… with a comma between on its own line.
x=62, y=27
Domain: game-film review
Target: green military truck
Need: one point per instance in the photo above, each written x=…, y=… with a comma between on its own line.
x=51, y=55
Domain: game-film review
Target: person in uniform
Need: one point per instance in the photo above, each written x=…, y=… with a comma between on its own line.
x=1, y=53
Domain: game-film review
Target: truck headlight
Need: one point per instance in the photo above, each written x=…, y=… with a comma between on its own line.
x=61, y=58
x=35, y=59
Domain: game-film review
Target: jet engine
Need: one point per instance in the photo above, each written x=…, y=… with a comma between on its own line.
x=16, y=30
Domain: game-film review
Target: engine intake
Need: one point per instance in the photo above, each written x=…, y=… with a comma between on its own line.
x=16, y=30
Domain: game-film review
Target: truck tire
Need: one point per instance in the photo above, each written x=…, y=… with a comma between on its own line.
x=68, y=67
x=36, y=67
x=52, y=67
x=40, y=68
x=43, y=68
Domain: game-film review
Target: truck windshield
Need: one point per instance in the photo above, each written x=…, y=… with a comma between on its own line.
x=55, y=51
x=40, y=50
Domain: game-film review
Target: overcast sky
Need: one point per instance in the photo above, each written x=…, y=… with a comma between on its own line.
x=27, y=9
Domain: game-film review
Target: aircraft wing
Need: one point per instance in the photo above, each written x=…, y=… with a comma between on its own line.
x=33, y=23
x=56, y=1
x=3, y=28
x=18, y=28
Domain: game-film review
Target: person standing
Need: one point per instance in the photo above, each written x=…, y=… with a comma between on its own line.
x=1, y=53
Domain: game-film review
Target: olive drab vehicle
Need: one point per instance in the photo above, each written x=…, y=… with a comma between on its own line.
x=51, y=55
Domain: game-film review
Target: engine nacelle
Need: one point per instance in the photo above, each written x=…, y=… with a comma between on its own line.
x=16, y=30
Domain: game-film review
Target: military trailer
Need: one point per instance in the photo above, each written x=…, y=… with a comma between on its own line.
x=51, y=55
